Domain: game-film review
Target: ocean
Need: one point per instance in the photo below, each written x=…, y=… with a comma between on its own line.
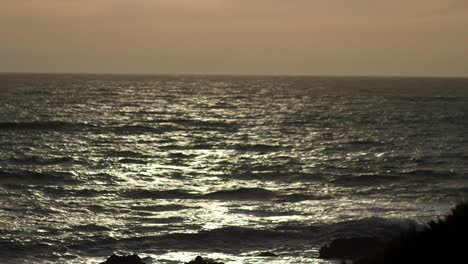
x=171, y=167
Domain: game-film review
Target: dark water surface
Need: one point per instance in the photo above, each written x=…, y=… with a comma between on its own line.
x=174, y=166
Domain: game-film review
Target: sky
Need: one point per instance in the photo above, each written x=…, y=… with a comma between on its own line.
x=284, y=37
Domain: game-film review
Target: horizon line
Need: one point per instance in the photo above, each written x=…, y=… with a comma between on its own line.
x=240, y=75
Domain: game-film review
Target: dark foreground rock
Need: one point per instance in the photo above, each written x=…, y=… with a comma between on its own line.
x=129, y=259
x=442, y=241
x=200, y=260
x=352, y=248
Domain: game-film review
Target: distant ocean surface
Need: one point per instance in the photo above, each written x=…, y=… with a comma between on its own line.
x=171, y=167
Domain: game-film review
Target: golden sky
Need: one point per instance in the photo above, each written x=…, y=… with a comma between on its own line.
x=316, y=37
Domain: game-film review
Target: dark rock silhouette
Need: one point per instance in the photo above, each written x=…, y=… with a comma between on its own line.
x=441, y=241
x=351, y=248
x=200, y=260
x=129, y=259
x=267, y=254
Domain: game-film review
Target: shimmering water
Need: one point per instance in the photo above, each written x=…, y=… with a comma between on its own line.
x=170, y=167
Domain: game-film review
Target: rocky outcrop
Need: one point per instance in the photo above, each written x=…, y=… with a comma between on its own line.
x=129, y=259
x=442, y=241
x=200, y=260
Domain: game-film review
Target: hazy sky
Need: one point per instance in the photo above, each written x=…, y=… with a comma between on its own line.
x=337, y=37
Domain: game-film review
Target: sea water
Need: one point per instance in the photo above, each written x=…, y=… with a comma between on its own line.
x=170, y=167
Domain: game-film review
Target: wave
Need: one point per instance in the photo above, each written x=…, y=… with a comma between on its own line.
x=196, y=146
x=362, y=142
x=70, y=126
x=13, y=252
x=257, y=194
x=37, y=160
x=258, y=147
x=384, y=228
x=298, y=197
x=236, y=194
x=58, y=191
x=207, y=124
x=265, y=211
x=235, y=239
x=20, y=177
x=226, y=239
x=44, y=125
x=90, y=228
x=132, y=161
x=127, y=154
x=180, y=155
x=138, y=129
x=242, y=194
x=155, y=194
x=364, y=180
x=261, y=148
x=428, y=173
x=161, y=208
x=416, y=175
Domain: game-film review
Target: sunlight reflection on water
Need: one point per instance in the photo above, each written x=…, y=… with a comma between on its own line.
x=104, y=164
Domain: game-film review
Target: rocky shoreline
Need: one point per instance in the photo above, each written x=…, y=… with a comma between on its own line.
x=441, y=241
